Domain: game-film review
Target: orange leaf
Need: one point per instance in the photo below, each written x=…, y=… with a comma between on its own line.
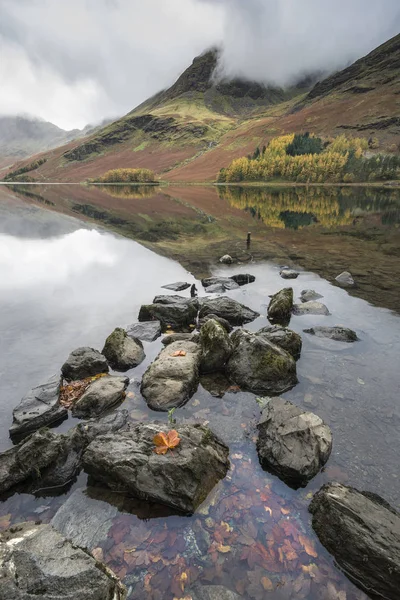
x=179, y=353
x=166, y=441
x=267, y=584
x=308, y=546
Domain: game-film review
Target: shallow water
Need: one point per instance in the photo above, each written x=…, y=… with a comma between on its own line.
x=64, y=284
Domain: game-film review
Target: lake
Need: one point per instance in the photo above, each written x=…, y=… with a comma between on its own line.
x=66, y=282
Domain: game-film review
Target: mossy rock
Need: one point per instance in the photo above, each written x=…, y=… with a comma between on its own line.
x=122, y=351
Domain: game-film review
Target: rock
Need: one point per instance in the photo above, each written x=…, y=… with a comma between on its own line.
x=225, y=324
x=181, y=479
x=226, y=259
x=345, y=279
x=180, y=286
x=231, y=310
x=310, y=308
x=173, y=312
x=39, y=408
x=178, y=337
x=280, y=307
x=362, y=532
x=215, y=345
x=170, y=381
x=82, y=363
x=219, y=284
x=243, y=278
x=38, y=562
x=84, y=521
x=259, y=366
x=292, y=443
x=288, y=274
x=309, y=295
x=122, y=351
x=215, y=384
x=213, y=592
x=284, y=338
x=100, y=396
x=340, y=334
x=147, y=331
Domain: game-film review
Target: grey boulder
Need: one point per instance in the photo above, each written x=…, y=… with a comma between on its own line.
x=218, y=285
x=284, y=338
x=122, y=351
x=179, y=286
x=243, y=279
x=38, y=563
x=147, y=331
x=216, y=347
x=225, y=324
x=362, y=531
x=180, y=479
x=226, y=259
x=171, y=380
x=292, y=443
x=280, y=307
x=310, y=308
x=83, y=363
x=39, y=408
x=101, y=395
x=288, y=274
x=174, y=312
x=337, y=333
x=309, y=295
x=258, y=366
x=345, y=279
x=234, y=312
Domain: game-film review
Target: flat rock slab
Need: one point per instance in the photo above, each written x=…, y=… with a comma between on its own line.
x=171, y=380
x=122, y=351
x=309, y=295
x=173, y=312
x=147, y=331
x=310, y=308
x=339, y=334
x=39, y=408
x=178, y=337
x=280, y=307
x=345, y=279
x=285, y=338
x=37, y=562
x=292, y=443
x=258, y=366
x=101, y=395
x=362, y=532
x=289, y=274
x=180, y=479
x=82, y=363
x=219, y=285
x=232, y=311
x=179, y=286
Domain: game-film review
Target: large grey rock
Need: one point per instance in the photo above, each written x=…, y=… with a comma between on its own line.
x=345, y=279
x=181, y=479
x=310, y=308
x=362, y=532
x=122, y=351
x=280, y=307
x=288, y=274
x=84, y=521
x=216, y=347
x=173, y=312
x=101, y=395
x=39, y=408
x=179, y=286
x=38, y=563
x=292, y=443
x=170, y=380
x=259, y=366
x=219, y=284
x=82, y=363
x=243, y=278
x=309, y=295
x=225, y=324
x=340, y=334
x=213, y=592
x=284, y=338
x=227, y=308
x=147, y=331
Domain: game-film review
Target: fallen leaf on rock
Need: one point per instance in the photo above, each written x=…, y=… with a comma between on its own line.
x=166, y=441
x=179, y=353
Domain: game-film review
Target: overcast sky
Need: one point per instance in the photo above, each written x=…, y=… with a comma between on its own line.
x=74, y=62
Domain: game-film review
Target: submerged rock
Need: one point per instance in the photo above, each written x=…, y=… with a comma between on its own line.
x=172, y=379
x=82, y=363
x=231, y=310
x=309, y=295
x=173, y=312
x=310, y=308
x=219, y=284
x=259, y=366
x=292, y=443
x=179, y=286
x=284, y=338
x=225, y=324
x=122, y=351
x=362, y=532
x=148, y=331
x=243, y=279
x=38, y=562
x=340, y=334
x=288, y=274
x=345, y=279
x=280, y=307
x=39, y=408
x=100, y=396
x=181, y=479
x=213, y=592
x=216, y=347
x=226, y=259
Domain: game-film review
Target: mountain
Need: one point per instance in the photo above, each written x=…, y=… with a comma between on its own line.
x=201, y=123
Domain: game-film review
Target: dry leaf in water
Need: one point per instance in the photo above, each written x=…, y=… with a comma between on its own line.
x=166, y=441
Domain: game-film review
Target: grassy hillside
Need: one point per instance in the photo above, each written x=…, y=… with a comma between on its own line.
x=190, y=131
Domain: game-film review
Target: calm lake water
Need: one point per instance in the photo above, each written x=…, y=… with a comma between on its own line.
x=64, y=284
